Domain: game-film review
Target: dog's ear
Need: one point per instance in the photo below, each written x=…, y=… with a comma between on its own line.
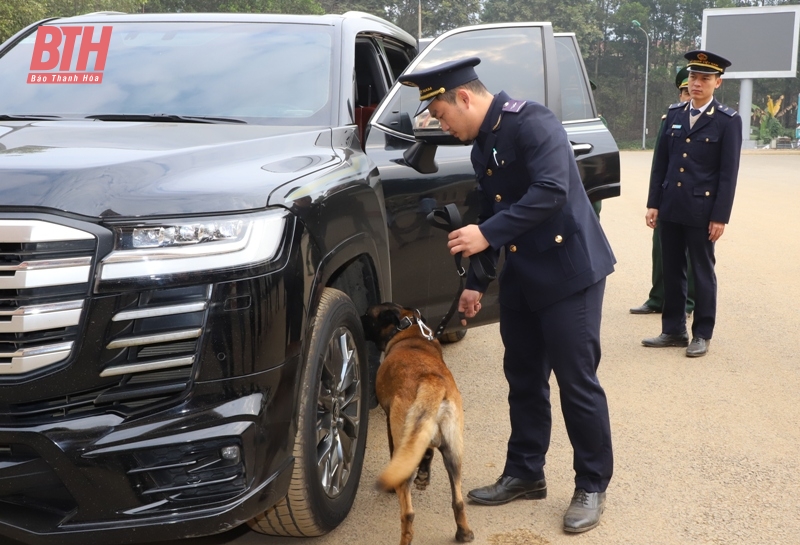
x=389, y=316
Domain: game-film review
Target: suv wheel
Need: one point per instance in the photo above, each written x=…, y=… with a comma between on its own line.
x=332, y=426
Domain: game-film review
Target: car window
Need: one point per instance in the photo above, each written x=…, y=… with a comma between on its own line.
x=511, y=61
x=398, y=59
x=575, y=101
x=235, y=70
x=371, y=84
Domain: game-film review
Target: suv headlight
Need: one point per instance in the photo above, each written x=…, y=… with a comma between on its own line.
x=193, y=245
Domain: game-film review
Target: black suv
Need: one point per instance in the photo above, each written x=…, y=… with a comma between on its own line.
x=195, y=211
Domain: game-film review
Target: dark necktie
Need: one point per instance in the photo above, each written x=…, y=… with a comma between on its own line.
x=694, y=112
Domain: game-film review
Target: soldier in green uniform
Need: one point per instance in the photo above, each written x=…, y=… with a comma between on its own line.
x=655, y=301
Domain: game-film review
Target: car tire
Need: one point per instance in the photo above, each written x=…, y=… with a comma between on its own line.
x=332, y=426
x=453, y=336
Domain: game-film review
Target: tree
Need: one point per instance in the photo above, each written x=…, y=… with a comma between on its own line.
x=17, y=14
x=578, y=16
x=234, y=6
x=67, y=8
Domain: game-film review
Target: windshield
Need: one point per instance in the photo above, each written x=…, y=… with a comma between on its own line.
x=278, y=74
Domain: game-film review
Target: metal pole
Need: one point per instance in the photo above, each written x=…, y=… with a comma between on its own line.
x=745, y=107
x=419, y=20
x=646, y=73
x=638, y=25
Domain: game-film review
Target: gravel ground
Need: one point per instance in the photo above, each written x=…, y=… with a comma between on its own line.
x=706, y=449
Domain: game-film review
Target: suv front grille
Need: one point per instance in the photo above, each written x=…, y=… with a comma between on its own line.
x=45, y=273
x=151, y=345
x=160, y=331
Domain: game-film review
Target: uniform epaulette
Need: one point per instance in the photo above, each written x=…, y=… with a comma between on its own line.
x=727, y=110
x=663, y=117
x=676, y=105
x=513, y=106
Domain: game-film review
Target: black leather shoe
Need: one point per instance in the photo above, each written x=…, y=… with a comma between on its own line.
x=644, y=309
x=698, y=347
x=584, y=511
x=665, y=340
x=509, y=488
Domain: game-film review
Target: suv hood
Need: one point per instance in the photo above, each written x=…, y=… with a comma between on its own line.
x=125, y=169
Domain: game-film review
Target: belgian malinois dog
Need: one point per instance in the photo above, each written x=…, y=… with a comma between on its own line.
x=423, y=409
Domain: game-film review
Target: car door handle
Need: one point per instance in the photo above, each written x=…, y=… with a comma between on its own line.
x=581, y=149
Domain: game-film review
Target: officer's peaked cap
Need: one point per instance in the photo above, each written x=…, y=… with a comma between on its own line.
x=682, y=78
x=706, y=62
x=439, y=79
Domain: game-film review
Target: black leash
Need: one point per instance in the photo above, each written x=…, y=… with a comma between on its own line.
x=449, y=219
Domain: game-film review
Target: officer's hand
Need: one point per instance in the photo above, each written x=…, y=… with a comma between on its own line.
x=469, y=303
x=715, y=230
x=651, y=217
x=467, y=240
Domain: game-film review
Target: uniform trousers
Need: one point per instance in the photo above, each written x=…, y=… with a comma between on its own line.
x=676, y=240
x=656, y=296
x=565, y=338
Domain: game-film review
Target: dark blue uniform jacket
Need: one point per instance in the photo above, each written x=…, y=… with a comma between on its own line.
x=693, y=180
x=534, y=205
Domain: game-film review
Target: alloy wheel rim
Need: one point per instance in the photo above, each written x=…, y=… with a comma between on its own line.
x=338, y=412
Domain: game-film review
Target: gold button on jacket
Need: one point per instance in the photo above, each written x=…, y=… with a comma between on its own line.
x=679, y=184
x=559, y=239
x=488, y=172
x=681, y=169
x=512, y=248
x=708, y=193
x=498, y=198
x=688, y=139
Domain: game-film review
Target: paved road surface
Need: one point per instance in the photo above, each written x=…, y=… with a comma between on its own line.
x=707, y=450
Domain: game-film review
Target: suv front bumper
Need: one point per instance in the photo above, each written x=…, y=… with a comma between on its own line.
x=203, y=467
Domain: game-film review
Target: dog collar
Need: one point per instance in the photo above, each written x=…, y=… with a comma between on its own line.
x=407, y=322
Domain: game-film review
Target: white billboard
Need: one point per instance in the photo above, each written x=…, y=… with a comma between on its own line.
x=760, y=42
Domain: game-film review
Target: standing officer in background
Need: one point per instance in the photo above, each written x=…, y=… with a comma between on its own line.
x=655, y=300
x=533, y=205
x=691, y=195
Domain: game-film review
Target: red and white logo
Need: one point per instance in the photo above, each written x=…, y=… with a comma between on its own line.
x=54, y=50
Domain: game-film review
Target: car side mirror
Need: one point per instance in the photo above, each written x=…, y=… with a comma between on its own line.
x=427, y=129
x=421, y=156
x=437, y=137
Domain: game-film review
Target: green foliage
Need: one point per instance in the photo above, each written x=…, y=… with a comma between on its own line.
x=438, y=16
x=66, y=8
x=234, y=6
x=16, y=15
x=770, y=128
x=578, y=16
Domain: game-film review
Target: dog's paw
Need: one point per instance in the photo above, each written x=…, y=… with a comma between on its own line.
x=422, y=480
x=464, y=536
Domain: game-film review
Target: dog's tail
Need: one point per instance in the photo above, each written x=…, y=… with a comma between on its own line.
x=421, y=426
